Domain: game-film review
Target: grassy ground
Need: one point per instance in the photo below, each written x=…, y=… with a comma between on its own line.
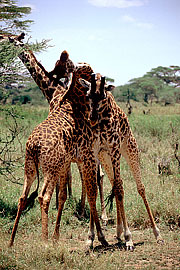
x=156, y=141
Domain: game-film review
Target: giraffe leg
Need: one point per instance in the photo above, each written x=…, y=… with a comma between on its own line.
x=83, y=193
x=105, y=159
x=100, y=176
x=89, y=176
x=29, y=176
x=121, y=220
x=62, y=199
x=69, y=181
x=113, y=172
x=119, y=228
x=57, y=194
x=132, y=158
x=91, y=234
x=121, y=216
x=44, y=200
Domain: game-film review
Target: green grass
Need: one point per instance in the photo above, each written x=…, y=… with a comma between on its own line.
x=155, y=139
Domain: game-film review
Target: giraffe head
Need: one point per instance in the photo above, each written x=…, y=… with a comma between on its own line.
x=17, y=40
x=97, y=91
x=82, y=71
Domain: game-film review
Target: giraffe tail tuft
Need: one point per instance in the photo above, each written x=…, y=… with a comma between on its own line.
x=109, y=200
x=31, y=200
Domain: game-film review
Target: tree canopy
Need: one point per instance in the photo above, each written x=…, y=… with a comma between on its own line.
x=12, y=72
x=170, y=75
x=161, y=83
x=11, y=17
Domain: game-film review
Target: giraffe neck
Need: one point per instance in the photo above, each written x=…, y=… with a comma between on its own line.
x=77, y=93
x=38, y=73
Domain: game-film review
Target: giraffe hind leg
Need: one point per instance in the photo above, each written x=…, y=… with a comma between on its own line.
x=44, y=200
x=61, y=199
x=28, y=180
x=132, y=157
x=21, y=207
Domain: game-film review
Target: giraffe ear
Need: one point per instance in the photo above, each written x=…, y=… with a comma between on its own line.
x=110, y=87
x=84, y=83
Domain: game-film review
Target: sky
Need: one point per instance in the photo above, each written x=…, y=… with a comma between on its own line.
x=121, y=39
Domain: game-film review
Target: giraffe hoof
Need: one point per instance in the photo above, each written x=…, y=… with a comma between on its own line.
x=10, y=244
x=160, y=242
x=105, y=222
x=129, y=246
x=55, y=237
x=89, y=244
x=104, y=243
x=118, y=239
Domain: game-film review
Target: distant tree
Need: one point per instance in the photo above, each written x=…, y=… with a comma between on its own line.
x=12, y=71
x=148, y=86
x=161, y=83
x=109, y=80
x=169, y=75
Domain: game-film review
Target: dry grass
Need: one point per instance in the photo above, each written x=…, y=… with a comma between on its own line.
x=70, y=253
x=163, y=193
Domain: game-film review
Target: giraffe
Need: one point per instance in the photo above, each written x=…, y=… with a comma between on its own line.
x=88, y=146
x=47, y=82
x=116, y=139
x=49, y=88
x=53, y=145
x=62, y=138
x=39, y=74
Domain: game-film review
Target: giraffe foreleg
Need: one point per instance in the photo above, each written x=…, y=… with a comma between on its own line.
x=113, y=172
x=100, y=176
x=83, y=193
x=90, y=177
x=91, y=234
x=121, y=216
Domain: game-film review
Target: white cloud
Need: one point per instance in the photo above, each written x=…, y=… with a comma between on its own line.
x=130, y=19
x=118, y=3
x=94, y=38
x=145, y=25
x=127, y=18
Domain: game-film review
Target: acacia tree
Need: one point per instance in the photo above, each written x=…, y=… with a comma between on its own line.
x=12, y=71
x=169, y=75
x=161, y=83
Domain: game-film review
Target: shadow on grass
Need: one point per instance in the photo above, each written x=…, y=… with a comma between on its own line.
x=118, y=246
x=7, y=210
x=10, y=211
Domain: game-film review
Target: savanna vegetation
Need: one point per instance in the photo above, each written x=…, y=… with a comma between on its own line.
x=157, y=134
x=155, y=121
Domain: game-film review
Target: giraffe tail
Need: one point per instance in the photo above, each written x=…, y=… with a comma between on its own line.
x=34, y=194
x=109, y=200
